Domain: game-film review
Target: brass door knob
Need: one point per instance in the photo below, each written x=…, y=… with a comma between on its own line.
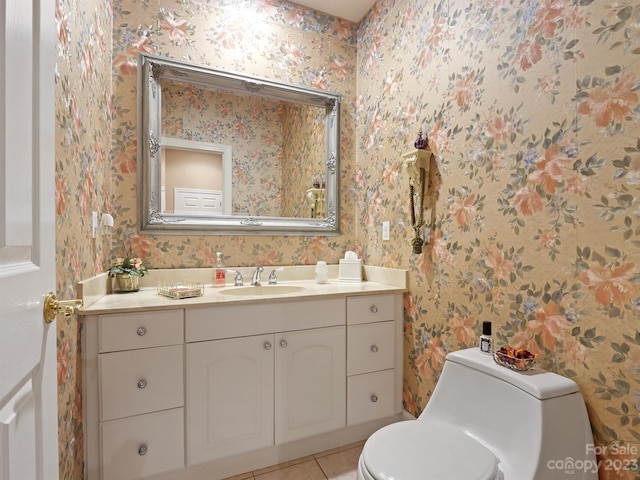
x=52, y=307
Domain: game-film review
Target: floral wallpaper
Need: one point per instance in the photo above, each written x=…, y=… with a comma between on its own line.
x=205, y=115
x=84, y=111
x=533, y=212
x=532, y=111
x=304, y=162
x=282, y=42
x=96, y=121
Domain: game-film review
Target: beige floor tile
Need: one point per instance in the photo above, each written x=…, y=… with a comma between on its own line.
x=340, y=449
x=342, y=465
x=282, y=465
x=244, y=476
x=308, y=470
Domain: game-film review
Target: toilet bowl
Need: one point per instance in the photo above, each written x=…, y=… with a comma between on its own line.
x=486, y=422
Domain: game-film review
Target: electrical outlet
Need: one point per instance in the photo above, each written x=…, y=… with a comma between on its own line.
x=385, y=230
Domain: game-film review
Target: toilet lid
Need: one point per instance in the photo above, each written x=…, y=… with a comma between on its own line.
x=421, y=450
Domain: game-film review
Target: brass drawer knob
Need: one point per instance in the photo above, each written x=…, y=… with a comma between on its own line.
x=142, y=331
x=142, y=383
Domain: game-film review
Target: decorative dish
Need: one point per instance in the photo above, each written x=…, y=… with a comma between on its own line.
x=181, y=290
x=517, y=359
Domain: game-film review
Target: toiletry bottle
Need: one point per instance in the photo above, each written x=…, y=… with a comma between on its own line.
x=322, y=272
x=220, y=276
x=486, y=341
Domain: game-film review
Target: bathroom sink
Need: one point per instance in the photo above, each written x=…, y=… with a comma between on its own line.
x=262, y=290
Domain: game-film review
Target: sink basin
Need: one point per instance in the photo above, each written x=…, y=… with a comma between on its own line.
x=262, y=290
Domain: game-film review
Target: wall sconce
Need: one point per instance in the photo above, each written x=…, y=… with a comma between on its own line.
x=417, y=163
x=106, y=222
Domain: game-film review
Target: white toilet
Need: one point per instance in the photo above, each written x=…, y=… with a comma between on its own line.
x=486, y=422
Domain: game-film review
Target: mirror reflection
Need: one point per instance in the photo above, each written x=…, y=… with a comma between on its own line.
x=233, y=154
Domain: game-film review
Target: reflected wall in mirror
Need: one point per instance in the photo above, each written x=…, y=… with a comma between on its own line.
x=225, y=153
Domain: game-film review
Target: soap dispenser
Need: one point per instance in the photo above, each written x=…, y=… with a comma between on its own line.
x=220, y=275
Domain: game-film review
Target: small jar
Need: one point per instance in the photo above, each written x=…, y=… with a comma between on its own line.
x=322, y=272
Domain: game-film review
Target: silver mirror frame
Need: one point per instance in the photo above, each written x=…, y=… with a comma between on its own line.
x=151, y=70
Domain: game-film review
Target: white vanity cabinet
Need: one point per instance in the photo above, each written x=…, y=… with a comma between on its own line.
x=134, y=394
x=214, y=389
x=244, y=393
x=373, y=348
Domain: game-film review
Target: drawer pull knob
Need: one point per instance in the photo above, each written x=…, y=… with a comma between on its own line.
x=374, y=309
x=283, y=343
x=374, y=398
x=141, y=331
x=267, y=345
x=142, y=450
x=374, y=348
x=142, y=383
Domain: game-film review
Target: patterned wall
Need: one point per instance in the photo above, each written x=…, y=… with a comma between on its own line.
x=534, y=214
x=98, y=43
x=282, y=42
x=252, y=126
x=83, y=177
x=532, y=109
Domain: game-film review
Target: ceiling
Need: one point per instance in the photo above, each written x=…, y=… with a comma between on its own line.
x=353, y=10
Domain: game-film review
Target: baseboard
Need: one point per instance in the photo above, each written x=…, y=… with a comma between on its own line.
x=228, y=467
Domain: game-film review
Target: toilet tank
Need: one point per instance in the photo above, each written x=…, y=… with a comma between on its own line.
x=535, y=422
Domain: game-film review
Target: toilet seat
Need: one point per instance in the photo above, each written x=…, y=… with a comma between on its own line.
x=421, y=450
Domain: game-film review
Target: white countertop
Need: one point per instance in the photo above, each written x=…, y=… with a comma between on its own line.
x=383, y=280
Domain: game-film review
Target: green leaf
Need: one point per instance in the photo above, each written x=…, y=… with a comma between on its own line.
x=617, y=358
x=622, y=386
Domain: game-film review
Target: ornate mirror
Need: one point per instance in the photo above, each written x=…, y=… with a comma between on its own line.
x=227, y=154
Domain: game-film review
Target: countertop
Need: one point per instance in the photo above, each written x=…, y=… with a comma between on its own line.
x=378, y=280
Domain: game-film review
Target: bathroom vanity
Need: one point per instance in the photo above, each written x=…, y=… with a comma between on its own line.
x=221, y=384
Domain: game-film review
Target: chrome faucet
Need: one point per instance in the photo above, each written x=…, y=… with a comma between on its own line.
x=239, y=281
x=273, y=278
x=255, y=280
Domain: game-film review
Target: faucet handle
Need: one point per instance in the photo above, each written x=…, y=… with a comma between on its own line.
x=273, y=278
x=239, y=281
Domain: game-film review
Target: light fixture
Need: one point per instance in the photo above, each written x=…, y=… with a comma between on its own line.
x=107, y=223
x=417, y=163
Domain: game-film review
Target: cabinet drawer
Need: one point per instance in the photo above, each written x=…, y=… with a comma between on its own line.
x=128, y=331
x=370, y=308
x=144, y=445
x=229, y=321
x=370, y=396
x=140, y=381
x=370, y=347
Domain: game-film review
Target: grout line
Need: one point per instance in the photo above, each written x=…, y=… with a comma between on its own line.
x=320, y=467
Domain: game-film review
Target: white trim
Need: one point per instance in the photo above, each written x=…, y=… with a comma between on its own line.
x=226, y=151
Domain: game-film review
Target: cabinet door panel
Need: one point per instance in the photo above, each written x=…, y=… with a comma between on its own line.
x=310, y=382
x=229, y=397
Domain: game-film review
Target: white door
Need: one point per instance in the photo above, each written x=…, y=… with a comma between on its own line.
x=28, y=391
x=310, y=382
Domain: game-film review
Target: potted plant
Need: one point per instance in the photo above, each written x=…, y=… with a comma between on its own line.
x=127, y=272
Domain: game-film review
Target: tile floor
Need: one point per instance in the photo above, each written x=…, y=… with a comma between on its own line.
x=337, y=464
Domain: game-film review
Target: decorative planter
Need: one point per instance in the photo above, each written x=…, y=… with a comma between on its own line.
x=127, y=283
